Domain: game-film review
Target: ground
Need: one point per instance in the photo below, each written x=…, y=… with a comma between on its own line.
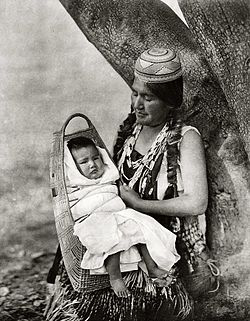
x=23, y=281
x=28, y=242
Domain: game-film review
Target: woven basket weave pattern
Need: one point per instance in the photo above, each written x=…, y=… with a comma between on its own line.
x=72, y=249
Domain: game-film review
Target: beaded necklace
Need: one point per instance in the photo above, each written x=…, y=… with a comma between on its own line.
x=165, y=142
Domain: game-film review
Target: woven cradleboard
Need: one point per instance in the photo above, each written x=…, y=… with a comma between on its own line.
x=71, y=248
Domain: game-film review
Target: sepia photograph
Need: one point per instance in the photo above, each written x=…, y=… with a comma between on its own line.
x=124, y=164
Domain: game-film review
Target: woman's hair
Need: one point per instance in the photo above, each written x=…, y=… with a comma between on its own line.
x=79, y=142
x=125, y=130
x=170, y=92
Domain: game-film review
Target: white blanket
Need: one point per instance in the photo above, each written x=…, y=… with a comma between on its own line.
x=105, y=226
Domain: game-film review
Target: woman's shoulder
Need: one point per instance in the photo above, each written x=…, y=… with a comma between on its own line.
x=193, y=137
x=186, y=128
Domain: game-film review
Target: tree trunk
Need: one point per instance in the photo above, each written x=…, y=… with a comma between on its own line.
x=222, y=29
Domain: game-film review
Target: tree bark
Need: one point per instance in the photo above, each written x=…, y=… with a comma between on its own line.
x=222, y=29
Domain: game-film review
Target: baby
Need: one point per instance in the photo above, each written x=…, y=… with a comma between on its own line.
x=116, y=238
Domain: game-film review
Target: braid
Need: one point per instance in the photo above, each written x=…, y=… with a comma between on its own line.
x=124, y=132
x=126, y=129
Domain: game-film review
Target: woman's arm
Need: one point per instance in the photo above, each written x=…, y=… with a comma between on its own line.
x=193, y=170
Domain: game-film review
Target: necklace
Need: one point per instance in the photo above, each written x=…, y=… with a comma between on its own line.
x=146, y=163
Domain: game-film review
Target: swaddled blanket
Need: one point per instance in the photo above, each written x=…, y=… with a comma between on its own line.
x=105, y=226
x=96, y=198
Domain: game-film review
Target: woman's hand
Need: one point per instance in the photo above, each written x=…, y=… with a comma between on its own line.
x=129, y=196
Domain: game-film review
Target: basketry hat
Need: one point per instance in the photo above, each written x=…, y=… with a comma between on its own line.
x=158, y=65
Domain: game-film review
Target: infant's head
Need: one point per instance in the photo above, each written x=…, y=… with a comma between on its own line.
x=87, y=157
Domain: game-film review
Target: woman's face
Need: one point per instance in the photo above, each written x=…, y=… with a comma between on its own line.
x=149, y=109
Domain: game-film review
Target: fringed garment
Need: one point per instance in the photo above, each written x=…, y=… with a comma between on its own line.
x=146, y=303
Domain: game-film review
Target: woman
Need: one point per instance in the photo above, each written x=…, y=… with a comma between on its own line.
x=158, y=159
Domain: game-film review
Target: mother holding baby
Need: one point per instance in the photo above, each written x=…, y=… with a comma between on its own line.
x=163, y=174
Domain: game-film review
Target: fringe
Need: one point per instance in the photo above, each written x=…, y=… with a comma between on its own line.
x=146, y=303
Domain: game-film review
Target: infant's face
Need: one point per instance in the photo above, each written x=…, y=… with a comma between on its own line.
x=89, y=162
